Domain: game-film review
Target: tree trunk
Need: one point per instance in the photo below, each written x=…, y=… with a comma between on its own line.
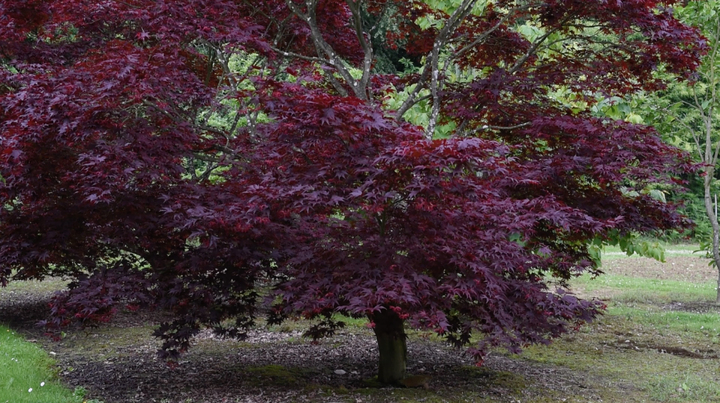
x=715, y=229
x=390, y=332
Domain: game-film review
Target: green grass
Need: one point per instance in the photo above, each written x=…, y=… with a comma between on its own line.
x=698, y=324
x=27, y=373
x=635, y=289
x=679, y=387
x=48, y=286
x=658, y=340
x=623, y=353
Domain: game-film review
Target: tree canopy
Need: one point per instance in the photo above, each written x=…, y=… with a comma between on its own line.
x=686, y=114
x=224, y=159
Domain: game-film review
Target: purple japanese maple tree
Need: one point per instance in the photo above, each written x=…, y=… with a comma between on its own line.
x=224, y=159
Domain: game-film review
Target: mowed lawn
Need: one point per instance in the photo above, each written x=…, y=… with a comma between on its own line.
x=659, y=340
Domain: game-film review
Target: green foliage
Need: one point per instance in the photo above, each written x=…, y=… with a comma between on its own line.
x=693, y=206
x=701, y=13
x=675, y=321
x=633, y=289
x=619, y=109
x=686, y=115
x=630, y=243
x=449, y=6
x=643, y=341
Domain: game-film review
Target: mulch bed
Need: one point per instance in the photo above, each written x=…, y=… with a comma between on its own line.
x=216, y=370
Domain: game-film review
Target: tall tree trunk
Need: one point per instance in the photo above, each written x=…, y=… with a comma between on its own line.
x=715, y=229
x=390, y=333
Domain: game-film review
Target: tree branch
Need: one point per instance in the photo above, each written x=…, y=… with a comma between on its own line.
x=368, y=54
x=443, y=36
x=322, y=47
x=535, y=46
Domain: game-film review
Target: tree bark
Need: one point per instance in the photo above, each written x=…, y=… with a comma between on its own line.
x=715, y=229
x=390, y=333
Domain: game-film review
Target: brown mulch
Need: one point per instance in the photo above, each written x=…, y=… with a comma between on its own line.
x=120, y=367
x=117, y=363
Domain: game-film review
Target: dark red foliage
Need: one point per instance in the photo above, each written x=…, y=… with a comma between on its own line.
x=307, y=191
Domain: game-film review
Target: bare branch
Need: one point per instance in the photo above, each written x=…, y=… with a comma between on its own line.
x=488, y=127
x=366, y=46
x=322, y=47
x=520, y=126
x=411, y=99
x=483, y=36
x=451, y=25
x=286, y=53
x=533, y=49
x=693, y=133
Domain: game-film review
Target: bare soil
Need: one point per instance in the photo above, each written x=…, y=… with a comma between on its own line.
x=117, y=362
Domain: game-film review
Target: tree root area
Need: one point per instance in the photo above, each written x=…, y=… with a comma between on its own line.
x=117, y=363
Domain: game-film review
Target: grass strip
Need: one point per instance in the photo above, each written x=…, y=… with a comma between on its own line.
x=27, y=373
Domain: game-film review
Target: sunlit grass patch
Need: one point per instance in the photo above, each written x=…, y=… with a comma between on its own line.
x=48, y=285
x=648, y=355
x=703, y=324
x=658, y=339
x=27, y=374
x=683, y=387
x=635, y=289
x=298, y=324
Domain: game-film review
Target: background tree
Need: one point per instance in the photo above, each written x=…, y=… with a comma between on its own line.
x=189, y=155
x=687, y=114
